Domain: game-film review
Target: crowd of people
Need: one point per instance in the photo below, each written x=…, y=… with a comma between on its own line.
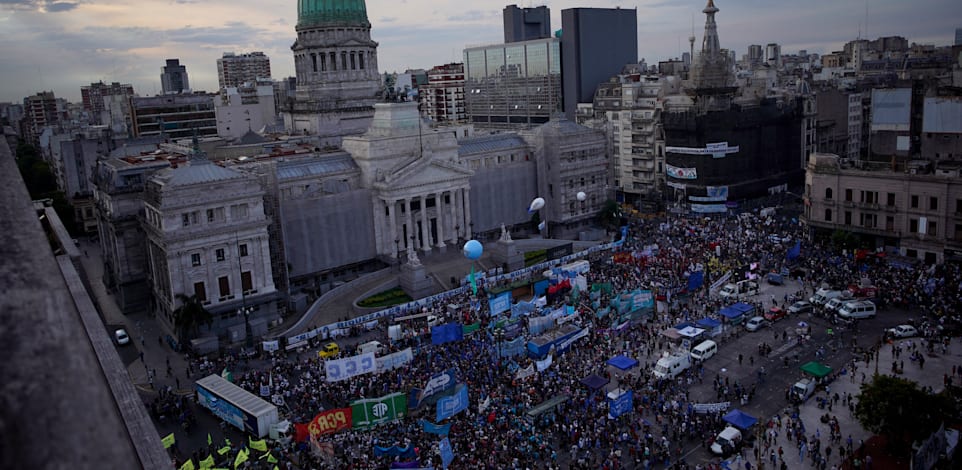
x=578, y=433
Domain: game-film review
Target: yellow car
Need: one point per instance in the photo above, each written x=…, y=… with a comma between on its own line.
x=329, y=350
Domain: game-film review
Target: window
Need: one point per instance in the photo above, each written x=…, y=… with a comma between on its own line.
x=889, y=223
x=869, y=197
x=246, y=281
x=360, y=60
x=848, y=195
x=242, y=249
x=219, y=254
x=186, y=219
x=195, y=259
x=224, y=284
x=238, y=212
x=890, y=199
x=913, y=225
x=210, y=215
x=958, y=206
x=933, y=203
x=958, y=232
x=848, y=218
x=828, y=193
x=915, y=201
x=912, y=253
x=933, y=229
x=200, y=292
x=828, y=215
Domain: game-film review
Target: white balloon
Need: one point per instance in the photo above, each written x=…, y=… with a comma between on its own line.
x=536, y=204
x=582, y=196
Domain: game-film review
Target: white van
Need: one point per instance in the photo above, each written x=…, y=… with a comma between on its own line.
x=833, y=305
x=727, y=442
x=668, y=367
x=704, y=350
x=857, y=309
x=824, y=295
x=372, y=346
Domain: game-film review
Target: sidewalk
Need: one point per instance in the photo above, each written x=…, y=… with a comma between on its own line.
x=810, y=413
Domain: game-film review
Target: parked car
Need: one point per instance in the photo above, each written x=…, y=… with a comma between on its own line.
x=775, y=314
x=122, y=337
x=902, y=331
x=775, y=279
x=802, y=306
x=755, y=324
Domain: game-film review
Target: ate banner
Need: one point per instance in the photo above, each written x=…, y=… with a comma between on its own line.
x=330, y=421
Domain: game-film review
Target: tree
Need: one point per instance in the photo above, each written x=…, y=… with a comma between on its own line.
x=190, y=316
x=843, y=239
x=898, y=409
x=610, y=214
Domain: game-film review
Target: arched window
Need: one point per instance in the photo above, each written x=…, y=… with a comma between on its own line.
x=360, y=60
x=828, y=193
x=314, y=61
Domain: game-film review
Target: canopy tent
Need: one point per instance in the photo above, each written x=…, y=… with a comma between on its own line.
x=816, y=369
x=690, y=331
x=622, y=362
x=730, y=312
x=742, y=307
x=671, y=333
x=740, y=419
x=594, y=381
x=708, y=323
x=682, y=326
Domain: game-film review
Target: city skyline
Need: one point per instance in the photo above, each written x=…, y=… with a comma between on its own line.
x=63, y=45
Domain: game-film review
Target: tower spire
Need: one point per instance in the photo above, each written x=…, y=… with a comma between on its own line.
x=709, y=45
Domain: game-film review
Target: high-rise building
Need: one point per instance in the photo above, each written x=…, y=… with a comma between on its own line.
x=755, y=54
x=234, y=70
x=442, y=98
x=174, y=116
x=525, y=24
x=40, y=110
x=958, y=36
x=513, y=86
x=596, y=43
x=773, y=55
x=108, y=104
x=336, y=64
x=173, y=77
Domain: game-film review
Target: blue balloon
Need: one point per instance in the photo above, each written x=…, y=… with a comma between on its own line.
x=472, y=250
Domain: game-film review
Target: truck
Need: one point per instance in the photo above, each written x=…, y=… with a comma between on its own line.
x=236, y=406
x=802, y=390
x=670, y=366
x=739, y=290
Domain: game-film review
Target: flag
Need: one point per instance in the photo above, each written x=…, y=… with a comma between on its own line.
x=794, y=251
x=207, y=463
x=271, y=459
x=188, y=465
x=241, y=457
x=168, y=440
x=303, y=431
x=209, y=440
x=474, y=285
x=260, y=445
x=447, y=454
x=226, y=441
x=227, y=375
x=695, y=280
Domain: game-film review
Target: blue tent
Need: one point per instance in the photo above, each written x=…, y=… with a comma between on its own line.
x=742, y=307
x=594, y=381
x=622, y=362
x=708, y=323
x=739, y=419
x=730, y=312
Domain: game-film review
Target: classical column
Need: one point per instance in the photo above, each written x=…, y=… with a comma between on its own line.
x=439, y=208
x=425, y=232
x=455, y=220
x=407, y=218
x=391, y=206
x=379, y=226
x=467, y=208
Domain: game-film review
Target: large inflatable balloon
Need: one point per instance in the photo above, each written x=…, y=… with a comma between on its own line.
x=541, y=226
x=582, y=196
x=536, y=205
x=472, y=250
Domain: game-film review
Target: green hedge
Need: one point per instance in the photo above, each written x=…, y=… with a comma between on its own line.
x=534, y=257
x=388, y=298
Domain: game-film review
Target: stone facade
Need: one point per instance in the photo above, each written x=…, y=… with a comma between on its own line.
x=207, y=237
x=919, y=212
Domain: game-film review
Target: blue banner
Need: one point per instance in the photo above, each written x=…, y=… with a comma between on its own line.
x=794, y=251
x=446, y=333
x=447, y=454
x=432, y=428
x=621, y=405
x=438, y=383
x=394, y=451
x=695, y=280
x=513, y=348
x=499, y=303
x=521, y=308
x=454, y=404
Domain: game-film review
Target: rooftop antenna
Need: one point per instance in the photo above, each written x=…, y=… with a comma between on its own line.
x=866, y=19
x=691, y=40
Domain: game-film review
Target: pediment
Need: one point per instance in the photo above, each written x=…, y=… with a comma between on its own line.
x=426, y=175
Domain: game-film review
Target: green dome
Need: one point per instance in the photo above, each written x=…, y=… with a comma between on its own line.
x=331, y=12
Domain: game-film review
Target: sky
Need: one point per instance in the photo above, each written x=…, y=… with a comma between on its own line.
x=61, y=45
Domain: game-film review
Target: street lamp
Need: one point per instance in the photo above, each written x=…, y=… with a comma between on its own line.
x=246, y=312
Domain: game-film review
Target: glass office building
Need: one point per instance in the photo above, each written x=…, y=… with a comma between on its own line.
x=513, y=86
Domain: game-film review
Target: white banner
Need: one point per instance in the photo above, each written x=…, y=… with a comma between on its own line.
x=672, y=184
x=394, y=360
x=716, y=150
x=681, y=173
x=568, y=342
x=543, y=365
x=345, y=368
x=525, y=373
x=271, y=345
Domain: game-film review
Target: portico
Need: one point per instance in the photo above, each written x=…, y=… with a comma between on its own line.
x=434, y=220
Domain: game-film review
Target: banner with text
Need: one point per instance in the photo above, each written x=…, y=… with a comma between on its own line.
x=499, y=303
x=619, y=405
x=373, y=411
x=330, y=421
x=454, y=404
x=682, y=173
x=394, y=360
x=345, y=368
